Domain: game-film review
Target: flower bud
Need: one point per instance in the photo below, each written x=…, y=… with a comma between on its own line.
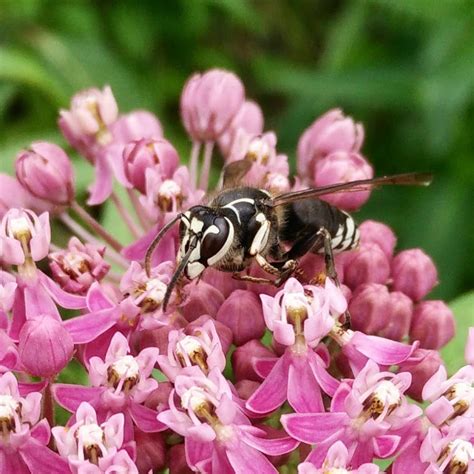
x=209, y=102
x=243, y=357
x=151, y=453
x=177, y=460
x=368, y=264
x=421, y=365
x=242, y=313
x=397, y=322
x=342, y=167
x=249, y=118
x=137, y=125
x=46, y=172
x=23, y=234
x=245, y=388
x=201, y=298
x=45, y=346
x=414, y=273
x=78, y=266
x=329, y=133
x=433, y=324
x=142, y=154
x=380, y=234
x=222, y=281
x=369, y=308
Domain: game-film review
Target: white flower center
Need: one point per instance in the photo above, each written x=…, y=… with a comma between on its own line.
x=335, y=470
x=126, y=367
x=90, y=435
x=155, y=290
x=8, y=407
x=169, y=189
x=188, y=345
x=462, y=391
x=387, y=393
x=194, y=398
x=259, y=151
x=462, y=451
x=18, y=227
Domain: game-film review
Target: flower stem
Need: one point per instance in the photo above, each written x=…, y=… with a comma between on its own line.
x=144, y=221
x=193, y=166
x=96, y=226
x=48, y=409
x=206, y=167
x=86, y=236
x=126, y=215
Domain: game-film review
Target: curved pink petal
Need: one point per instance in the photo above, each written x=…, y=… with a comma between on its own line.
x=29, y=387
x=11, y=463
x=326, y=381
x=439, y=411
x=97, y=299
x=61, y=297
x=145, y=418
x=304, y=394
x=197, y=452
x=314, y=427
x=37, y=301
x=101, y=189
x=272, y=393
x=386, y=445
x=41, y=459
x=41, y=432
x=272, y=447
x=86, y=328
x=70, y=396
x=244, y=460
x=264, y=365
x=409, y=460
x=434, y=384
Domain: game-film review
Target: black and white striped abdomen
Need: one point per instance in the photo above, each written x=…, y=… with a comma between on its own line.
x=347, y=235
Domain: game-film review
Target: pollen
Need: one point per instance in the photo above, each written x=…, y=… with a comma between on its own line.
x=91, y=438
x=385, y=398
x=190, y=347
x=9, y=410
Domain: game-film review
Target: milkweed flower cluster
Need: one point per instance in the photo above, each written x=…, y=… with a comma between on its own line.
x=231, y=376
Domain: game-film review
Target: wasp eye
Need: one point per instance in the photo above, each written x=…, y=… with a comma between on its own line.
x=215, y=242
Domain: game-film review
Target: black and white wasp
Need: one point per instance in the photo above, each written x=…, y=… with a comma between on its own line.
x=241, y=224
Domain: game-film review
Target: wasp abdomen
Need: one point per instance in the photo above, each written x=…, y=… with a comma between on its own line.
x=347, y=236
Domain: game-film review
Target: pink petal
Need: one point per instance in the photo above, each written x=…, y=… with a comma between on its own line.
x=314, y=427
x=433, y=385
x=245, y=460
x=409, y=460
x=86, y=328
x=62, y=298
x=326, y=381
x=264, y=365
x=304, y=394
x=145, y=418
x=26, y=387
x=71, y=396
x=197, y=451
x=41, y=432
x=37, y=301
x=439, y=411
x=101, y=189
x=40, y=459
x=97, y=299
x=12, y=463
x=272, y=393
x=272, y=447
x=386, y=445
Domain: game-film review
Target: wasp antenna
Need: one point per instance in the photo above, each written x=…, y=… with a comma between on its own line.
x=177, y=273
x=156, y=241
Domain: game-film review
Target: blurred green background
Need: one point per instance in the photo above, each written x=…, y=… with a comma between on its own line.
x=405, y=68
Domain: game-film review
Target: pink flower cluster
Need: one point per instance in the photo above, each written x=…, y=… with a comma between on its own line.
x=232, y=376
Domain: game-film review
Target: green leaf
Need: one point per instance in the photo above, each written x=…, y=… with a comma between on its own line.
x=463, y=309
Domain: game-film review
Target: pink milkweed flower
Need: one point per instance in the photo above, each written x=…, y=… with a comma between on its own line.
x=87, y=121
x=8, y=286
x=46, y=172
x=450, y=397
x=209, y=102
x=337, y=460
x=249, y=118
x=299, y=318
x=369, y=415
x=329, y=133
x=9, y=358
x=451, y=450
x=144, y=154
x=218, y=436
x=341, y=167
x=92, y=447
x=24, y=438
x=24, y=236
x=201, y=348
x=78, y=266
x=136, y=125
x=120, y=383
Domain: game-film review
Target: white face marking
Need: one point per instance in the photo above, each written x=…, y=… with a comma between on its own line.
x=261, y=237
x=194, y=269
x=228, y=243
x=196, y=225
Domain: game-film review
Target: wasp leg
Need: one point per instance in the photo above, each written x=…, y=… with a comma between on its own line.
x=266, y=265
x=251, y=279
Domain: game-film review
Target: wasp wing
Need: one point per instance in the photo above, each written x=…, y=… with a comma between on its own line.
x=407, y=179
x=235, y=172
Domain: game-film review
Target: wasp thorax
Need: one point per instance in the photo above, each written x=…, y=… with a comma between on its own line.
x=10, y=411
x=461, y=396
x=189, y=351
x=92, y=439
x=169, y=196
x=455, y=457
x=197, y=400
x=259, y=151
x=124, y=373
x=383, y=400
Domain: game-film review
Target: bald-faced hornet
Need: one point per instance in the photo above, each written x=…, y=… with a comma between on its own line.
x=241, y=224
